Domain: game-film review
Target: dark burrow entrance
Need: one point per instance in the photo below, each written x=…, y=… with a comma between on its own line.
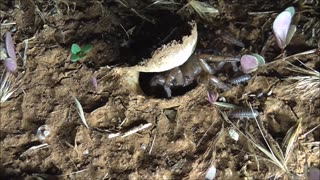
x=145, y=39
x=159, y=91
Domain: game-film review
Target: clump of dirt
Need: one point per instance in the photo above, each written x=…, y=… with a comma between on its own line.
x=187, y=135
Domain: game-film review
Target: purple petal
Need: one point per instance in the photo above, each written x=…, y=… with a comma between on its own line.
x=212, y=96
x=95, y=83
x=249, y=63
x=10, y=64
x=281, y=27
x=10, y=47
x=314, y=173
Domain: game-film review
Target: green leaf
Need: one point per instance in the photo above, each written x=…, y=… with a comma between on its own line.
x=290, y=10
x=81, y=54
x=75, y=48
x=75, y=57
x=87, y=48
x=260, y=59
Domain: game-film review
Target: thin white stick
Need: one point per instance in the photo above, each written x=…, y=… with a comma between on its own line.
x=305, y=134
x=80, y=112
x=8, y=24
x=26, y=44
x=152, y=144
x=41, y=146
x=315, y=143
x=262, y=133
x=136, y=129
x=80, y=171
x=131, y=131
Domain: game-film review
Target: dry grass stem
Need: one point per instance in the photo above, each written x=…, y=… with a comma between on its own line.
x=204, y=10
x=315, y=143
x=33, y=148
x=290, y=138
x=6, y=88
x=80, y=112
x=204, y=135
x=126, y=4
x=130, y=132
x=152, y=144
x=272, y=152
x=310, y=131
x=170, y=5
x=306, y=87
x=73, y=173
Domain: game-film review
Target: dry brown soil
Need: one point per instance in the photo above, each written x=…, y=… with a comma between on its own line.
x=188, y=134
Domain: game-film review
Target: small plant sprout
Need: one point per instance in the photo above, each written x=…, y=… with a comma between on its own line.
x=282, y=28
x=212, y=96
x=78, y=52
x=250, y=63
x=10, y=62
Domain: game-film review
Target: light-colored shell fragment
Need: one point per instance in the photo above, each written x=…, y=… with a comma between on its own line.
x=233, y=134
x=171, y=55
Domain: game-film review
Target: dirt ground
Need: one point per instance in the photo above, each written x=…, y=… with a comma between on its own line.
x=188, y=135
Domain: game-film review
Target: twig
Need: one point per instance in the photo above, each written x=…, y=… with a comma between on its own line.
x=130, y=132
x=305, y=134
x=8, y=24
x=80, y=171
x=41, y=146
x=124, y=3
x=26, y=43
x=264, y=138
x=80, y=112
x=260, y=13
x=200, y=140
x=125, y=31
x=152, y=144
x=315, y=143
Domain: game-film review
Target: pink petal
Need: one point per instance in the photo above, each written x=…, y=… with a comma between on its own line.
x=281, y=27
x=314, y=173
x=249, y=63
x=212, y=96
x=95, y=83
x=10, y=47
x=10, y=64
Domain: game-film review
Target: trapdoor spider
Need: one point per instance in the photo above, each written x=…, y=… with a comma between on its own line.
x=195, y=68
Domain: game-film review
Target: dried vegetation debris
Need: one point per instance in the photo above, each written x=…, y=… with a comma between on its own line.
x=179, y=137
